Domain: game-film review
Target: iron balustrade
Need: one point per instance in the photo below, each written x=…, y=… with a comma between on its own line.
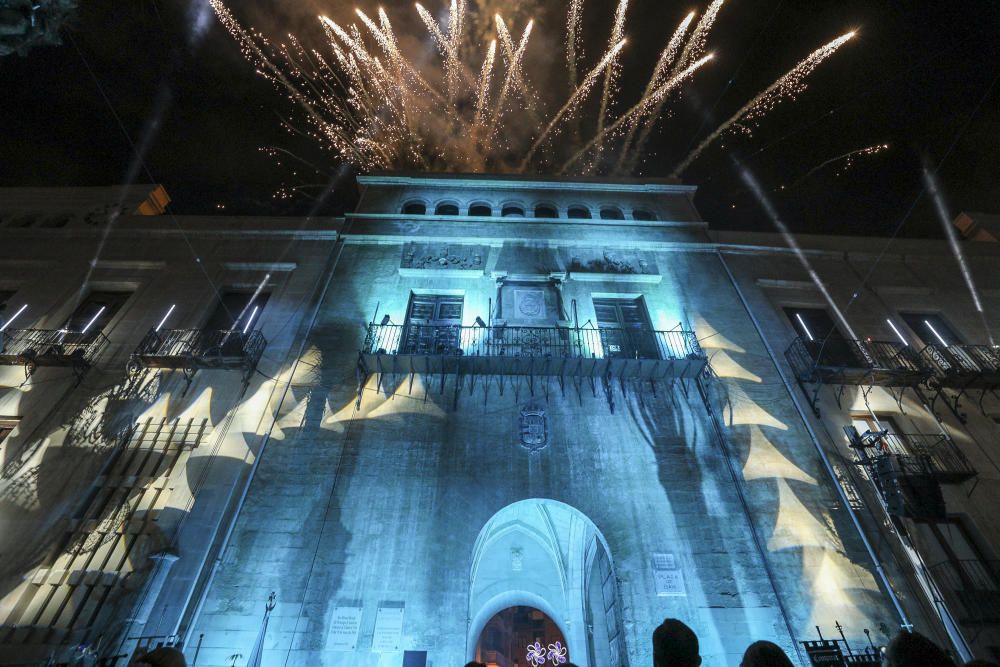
x=937, y=454
x=974, y=585
x=191, y=349
x=964, y=366
x=49, y=347
x=840, y=361
x=555, y=350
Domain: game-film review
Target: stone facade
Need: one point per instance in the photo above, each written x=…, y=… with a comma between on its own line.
x=424, y=445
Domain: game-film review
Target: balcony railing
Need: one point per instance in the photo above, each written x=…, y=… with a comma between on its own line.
x=934, y=454
x=193, y=349
x=973, y=586
x=964, y=366
x=45, y=347
x=508, y=350
x=856, y=362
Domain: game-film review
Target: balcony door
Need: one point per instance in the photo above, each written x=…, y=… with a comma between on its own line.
x=236, y=311
x=433, y=324
x=625, y=329
x=826, y=345
x=94, y=314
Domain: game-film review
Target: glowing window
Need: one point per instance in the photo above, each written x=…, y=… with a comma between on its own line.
x=932, y=328
x=414, y=208
x=643, y=214
x=95, y=313
x=579, y=213
x=612, y=213
x=481, y=210
x=546, y=211
x=446, y=209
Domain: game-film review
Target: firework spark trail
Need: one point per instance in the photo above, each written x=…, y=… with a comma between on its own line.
x=574, y=25
x=611, y=74
x=787, y=87
x=578, y=94
x=482, y=96
x=642, y=107
x=695, y=47
x=512, y=69
x=848, y=158
x=663, y=66
x=371, y=105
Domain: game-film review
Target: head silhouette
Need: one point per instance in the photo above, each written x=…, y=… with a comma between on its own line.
x=912, y=649
x=765, y=654
x=675, y=645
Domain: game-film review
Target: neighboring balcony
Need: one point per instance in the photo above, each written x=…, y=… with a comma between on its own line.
x=935, y=455
x=190, y=350
x=856, y=362
x=862, y=363
x=34, y=348
x=972, y=588
x=541, y=351
x=964, y=366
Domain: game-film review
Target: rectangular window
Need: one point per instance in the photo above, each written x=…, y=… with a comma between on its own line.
x=7, y=424
x=95, y=313
x=822, y=338
x=7, y=308
x=238, y=310
x=933, y=329
x=433, y=324
x=625, y=329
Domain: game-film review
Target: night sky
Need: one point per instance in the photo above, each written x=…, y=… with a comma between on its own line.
x=914, y=77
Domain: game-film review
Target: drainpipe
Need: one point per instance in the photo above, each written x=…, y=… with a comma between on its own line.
x=880, y=571
x=332, y=267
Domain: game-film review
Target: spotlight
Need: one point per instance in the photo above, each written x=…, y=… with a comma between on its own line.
x=385, y=320
x=479, y=322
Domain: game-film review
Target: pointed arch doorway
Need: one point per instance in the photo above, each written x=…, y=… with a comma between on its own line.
x=548, y=556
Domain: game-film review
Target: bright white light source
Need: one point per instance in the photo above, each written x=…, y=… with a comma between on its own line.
x=164, y=320
x=934, y=331
x=253, y=314
x=13, y=317
x=93, y=319
x=898, y=335
x=798, y=316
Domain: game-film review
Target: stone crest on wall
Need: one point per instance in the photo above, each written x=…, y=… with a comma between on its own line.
x=534, y=432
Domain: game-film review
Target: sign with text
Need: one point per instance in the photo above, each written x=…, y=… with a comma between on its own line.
x=668, y=578
x=388, y=628
x=344, y=628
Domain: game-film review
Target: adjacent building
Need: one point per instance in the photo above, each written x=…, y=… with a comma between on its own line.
x=486, y=417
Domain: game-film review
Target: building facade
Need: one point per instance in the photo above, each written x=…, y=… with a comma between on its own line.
x=480, y=412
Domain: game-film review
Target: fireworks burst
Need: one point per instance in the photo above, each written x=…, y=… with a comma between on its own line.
x=371, y=105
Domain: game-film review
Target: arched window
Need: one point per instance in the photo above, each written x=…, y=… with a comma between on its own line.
x=643, y=214
x=579, y=213
x=480, y=210
x=612, y=213
x=414, y=207
x=546, y=211
x=446, y=208
x=512, y=211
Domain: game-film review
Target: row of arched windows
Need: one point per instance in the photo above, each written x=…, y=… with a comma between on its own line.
x=515, y=210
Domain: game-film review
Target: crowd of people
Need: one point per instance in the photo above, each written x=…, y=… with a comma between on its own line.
x=676, y=645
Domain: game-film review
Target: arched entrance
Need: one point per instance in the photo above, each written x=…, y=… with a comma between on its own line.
x=548, y=556
x=520, y=635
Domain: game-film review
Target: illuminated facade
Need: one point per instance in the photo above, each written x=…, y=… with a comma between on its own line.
x=479, y=411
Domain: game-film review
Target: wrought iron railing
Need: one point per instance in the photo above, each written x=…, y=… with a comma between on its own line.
x=50, y=347
x=545, y=342
x=200, y=344
x=974, y=585
x=937, y=454
x=812, y=359
x=962, y=361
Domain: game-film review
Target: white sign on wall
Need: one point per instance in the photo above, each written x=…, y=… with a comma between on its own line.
x=344, y=629
x=668, y=578
x=388, y=629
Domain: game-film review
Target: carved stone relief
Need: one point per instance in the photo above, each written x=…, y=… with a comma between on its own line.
x=443, y=257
